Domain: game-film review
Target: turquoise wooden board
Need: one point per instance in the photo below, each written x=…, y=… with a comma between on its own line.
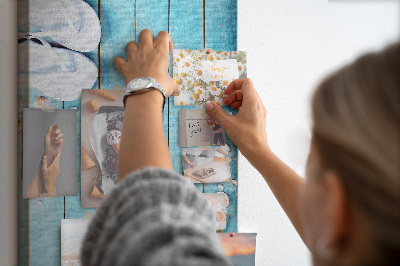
x=44, y=230
x=221, y=25
x=194, y=24
x=186, y=24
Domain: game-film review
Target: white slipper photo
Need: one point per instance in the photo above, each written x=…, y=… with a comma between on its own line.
x=71, y=23
x=57, y=72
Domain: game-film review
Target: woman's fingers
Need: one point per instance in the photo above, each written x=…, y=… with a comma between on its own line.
x=132, y=47
x=146, y=39
x=236, y=105
x=119, y=63
x=164, y=41
x=48, y=132
x=56, y=126
x=234, y=85
x=177, y=92
x=233, y=97
x=241, y=92
x=59, y=136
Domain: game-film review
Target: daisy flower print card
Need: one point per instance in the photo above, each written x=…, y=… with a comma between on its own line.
x=204, y=74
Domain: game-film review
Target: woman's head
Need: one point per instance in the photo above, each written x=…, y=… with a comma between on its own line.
x=354, y=163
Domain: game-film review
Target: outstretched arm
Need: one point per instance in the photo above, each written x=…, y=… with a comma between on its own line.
x=250, y=121
x=143, y=142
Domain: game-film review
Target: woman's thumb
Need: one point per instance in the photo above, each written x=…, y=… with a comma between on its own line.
x=217, y=112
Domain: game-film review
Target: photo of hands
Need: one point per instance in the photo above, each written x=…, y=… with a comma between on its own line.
x=49, y=159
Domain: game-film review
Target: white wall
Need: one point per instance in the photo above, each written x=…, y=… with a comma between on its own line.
x=291, y=45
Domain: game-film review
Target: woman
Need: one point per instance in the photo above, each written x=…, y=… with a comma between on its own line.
x=349, y=203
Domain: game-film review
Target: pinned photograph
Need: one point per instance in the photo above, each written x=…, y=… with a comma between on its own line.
x=220, y=202
x=204, y=74
x=72, y=233
x=239, y=247
x=206, y=165
x=102, y=114
x=197, y=128
x=49, y=158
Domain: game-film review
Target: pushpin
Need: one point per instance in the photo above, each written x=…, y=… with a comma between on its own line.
x=208, y=51
x=232, y=234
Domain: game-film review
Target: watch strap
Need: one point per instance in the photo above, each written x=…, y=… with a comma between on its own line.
x=154, y=85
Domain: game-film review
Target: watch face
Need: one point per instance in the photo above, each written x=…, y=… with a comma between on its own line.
x=140, y=83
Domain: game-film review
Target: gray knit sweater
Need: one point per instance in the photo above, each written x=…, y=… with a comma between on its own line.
x=154, y=217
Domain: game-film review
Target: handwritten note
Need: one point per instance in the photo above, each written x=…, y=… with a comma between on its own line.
x=194, y=128
x=219, y=70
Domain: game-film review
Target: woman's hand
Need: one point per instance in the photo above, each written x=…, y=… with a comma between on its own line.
x=50, y=174
x=247, y=129
x=150, y=59
x=53, y=142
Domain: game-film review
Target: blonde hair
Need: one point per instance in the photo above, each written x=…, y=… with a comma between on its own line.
x=356, y=130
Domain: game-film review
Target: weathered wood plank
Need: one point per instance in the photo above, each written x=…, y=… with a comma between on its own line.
x=186, y=28
x=44, y=230
x=117, y=29
x=220, y=24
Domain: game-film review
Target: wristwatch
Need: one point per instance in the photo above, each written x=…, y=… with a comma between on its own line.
x=142, y=85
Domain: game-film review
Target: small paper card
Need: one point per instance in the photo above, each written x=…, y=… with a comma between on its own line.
x=197, y=128
x=204, y=76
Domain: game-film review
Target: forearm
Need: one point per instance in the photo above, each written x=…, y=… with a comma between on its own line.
x=143, y=142
x=284, y=182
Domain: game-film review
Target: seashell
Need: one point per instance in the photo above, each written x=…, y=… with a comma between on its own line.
x=104, y=94
x=96, y=193
x=87, y=161
x=93, y=106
